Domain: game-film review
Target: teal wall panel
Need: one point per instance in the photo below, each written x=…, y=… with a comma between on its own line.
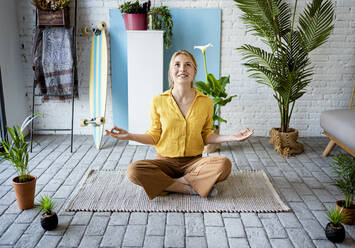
x=196, y=27
x=118, y=44
x=192, y=27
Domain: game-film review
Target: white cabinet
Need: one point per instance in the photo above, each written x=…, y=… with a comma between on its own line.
x=145, y=76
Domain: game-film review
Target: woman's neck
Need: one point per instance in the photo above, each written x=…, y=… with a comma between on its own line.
x=183, y=92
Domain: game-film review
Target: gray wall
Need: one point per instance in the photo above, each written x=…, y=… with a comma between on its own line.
x=11, y=64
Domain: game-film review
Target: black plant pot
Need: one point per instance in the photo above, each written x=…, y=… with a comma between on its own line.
x=49, y=222
x=335, y=234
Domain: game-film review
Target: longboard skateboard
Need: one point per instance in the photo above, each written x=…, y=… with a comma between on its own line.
x=97, y=82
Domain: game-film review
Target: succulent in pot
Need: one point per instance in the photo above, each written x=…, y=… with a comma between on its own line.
x=16, y=152
x=334, y=230
x=49, y=219
x=135, y=15
x=344, y=167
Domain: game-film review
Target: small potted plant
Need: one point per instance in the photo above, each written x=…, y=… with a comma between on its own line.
x=52, y=12
x=215, y=88
x=334, y=230
x=160, y=18
x=49, y=219
x=16, y=152
x=135, y=15
x=344, y=167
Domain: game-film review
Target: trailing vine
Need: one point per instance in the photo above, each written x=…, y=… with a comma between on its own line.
x=162, y=20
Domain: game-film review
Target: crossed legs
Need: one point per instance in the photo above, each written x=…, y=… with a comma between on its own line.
x=180, y=175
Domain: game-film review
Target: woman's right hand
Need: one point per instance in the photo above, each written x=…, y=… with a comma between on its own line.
x=118, y=133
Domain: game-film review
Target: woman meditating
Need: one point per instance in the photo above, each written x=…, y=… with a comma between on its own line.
x=181, y=126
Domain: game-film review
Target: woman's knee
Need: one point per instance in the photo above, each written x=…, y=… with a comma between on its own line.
x=133, y=171
x=224, y=168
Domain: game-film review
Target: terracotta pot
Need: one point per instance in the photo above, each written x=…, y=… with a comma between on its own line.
x=350, y=212
x=211, y=148
x=335, y=234
x=25, y=192
x=285, y=143
x=135, y=21
x=49, y=222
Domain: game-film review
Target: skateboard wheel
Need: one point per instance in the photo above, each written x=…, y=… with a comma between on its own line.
x=83, y=122
x=85, y=30
x=100, y=121
x=101, y=26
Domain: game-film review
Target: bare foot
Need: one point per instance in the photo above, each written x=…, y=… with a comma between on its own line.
x=182, y=180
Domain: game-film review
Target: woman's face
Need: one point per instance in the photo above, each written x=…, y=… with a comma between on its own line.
x=183, y=71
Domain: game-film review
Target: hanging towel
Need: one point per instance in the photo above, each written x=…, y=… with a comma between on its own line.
x=37, y=62
x=53, y=62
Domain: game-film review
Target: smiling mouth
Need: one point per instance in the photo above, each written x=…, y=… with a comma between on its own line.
x=183, y=75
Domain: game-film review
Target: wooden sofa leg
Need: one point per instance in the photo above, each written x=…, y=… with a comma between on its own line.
x=329, y=147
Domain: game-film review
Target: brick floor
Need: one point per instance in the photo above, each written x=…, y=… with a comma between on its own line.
x=304, y=182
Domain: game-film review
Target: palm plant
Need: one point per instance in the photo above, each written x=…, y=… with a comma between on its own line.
x=16, y=151
x=344, y=167
x=286, y=67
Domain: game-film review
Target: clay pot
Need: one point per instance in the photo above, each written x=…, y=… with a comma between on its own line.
x=49, y=222
x=135, y=21
x=336, y=234
x=25, y=192
x=350, y=212
x=285, y=143
x=211, y=148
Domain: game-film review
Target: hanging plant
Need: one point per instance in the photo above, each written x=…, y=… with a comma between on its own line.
x=161, y=19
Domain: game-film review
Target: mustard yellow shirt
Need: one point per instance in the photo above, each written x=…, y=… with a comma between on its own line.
x=174, y=135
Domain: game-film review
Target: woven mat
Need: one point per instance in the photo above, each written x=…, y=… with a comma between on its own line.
x=243, y=191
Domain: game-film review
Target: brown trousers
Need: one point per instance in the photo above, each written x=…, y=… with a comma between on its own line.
x=200, y=172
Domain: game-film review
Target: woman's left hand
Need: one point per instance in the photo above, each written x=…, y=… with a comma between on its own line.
x=242, y=135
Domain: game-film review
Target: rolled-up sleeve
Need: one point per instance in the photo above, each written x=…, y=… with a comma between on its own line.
x=207, y=127
x=155, y=127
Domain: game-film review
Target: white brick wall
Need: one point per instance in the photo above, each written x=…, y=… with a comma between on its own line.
x=254, y=107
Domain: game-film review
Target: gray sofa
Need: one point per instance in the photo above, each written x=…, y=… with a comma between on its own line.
x=339, y=126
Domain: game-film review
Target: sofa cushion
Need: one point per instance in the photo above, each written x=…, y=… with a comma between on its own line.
x=340, y=123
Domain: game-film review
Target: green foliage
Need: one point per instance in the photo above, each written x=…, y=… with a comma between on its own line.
x=336, y=217
x=162, y=20
x=16, y=152
x=286, y=67
x=217, y=90
x=134, y=8
x=344, y=167
x=46, y=204
x=50, y=4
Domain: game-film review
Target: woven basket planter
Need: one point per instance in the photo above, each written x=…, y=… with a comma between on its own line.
x=285, y=143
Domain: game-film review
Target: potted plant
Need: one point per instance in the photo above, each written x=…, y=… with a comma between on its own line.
x=344, y=167
x=16, y=152
x=215, y=88
x=285, y=67
x=335, y=231
x=52, y=12
x=49, y=219
x=160, y=18
x=135, y=15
